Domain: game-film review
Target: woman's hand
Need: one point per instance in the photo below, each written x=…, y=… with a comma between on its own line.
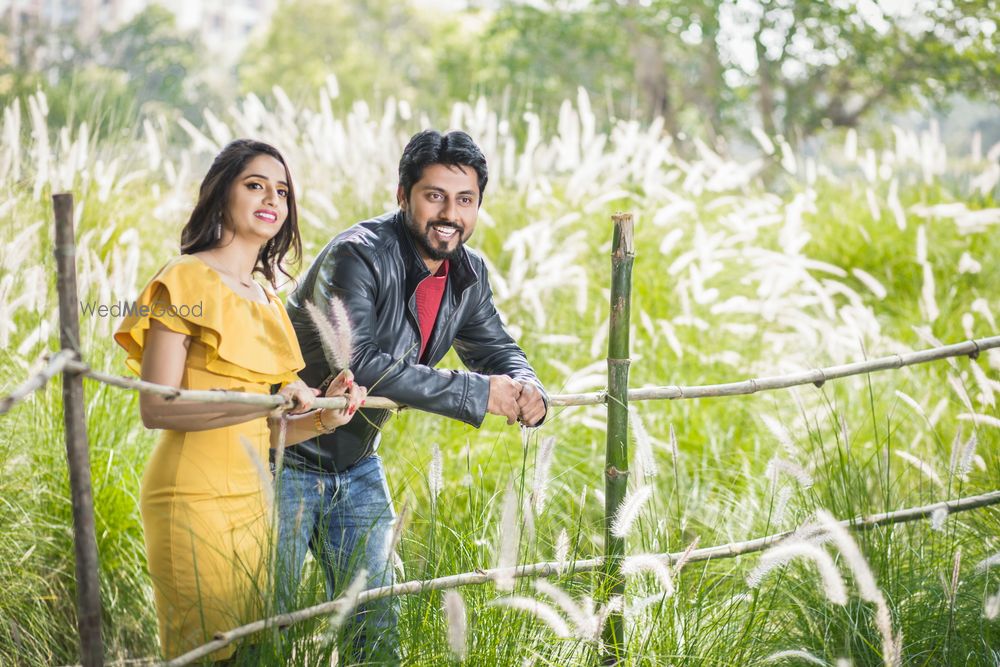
x=343, y=385
x=302, y=397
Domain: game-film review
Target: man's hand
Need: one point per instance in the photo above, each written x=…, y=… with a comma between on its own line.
x=531, y=407
x=504, y=393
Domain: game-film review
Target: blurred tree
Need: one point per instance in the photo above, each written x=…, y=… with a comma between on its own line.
x=160, y=65
x=541, y=54
x=375, y=48
x=144, y=64
x=822, y=64
x=791, y=66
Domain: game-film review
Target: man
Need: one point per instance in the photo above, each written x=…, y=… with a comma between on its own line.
x=412, y=291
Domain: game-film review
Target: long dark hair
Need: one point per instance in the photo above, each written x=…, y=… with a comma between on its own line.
x=200, y=231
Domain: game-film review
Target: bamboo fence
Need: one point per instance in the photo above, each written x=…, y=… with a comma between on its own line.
x=68, y=362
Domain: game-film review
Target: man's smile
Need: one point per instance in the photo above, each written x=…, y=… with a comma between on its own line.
x=445, y=231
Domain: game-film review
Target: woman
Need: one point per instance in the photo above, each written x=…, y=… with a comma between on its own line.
x=205, y=494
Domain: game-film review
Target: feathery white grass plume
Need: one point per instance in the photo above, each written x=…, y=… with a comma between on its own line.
x=860, y=569
x=778, y=430
x=965, y=461
x=895, y=206
x=399, y=525
x=938, y=517
x=435, y=474
x=955, y=569
x=833, y=583
x=910, y=401
x=991, y=606
x=867, y=588
x=629, y=510
x=397, y=564
x=873, y=207
x=765, y=142
x=781, y=505
x=540, y=610
x=982, y=307
x=851, y=145
x=686, y=556
x=643, y=445
x=921, y=465
x=928, y=300
x=868, y=280
x=335, y=333
x=650, y=563
x=959, y=388
x=956, y=450
x=455, y=619
x=266, y=482
x=989, y=562
x=673, y=444
x=798, y=473
x=977, y=418
x=562, y=549
x=794, y=654
x=528, y=521
x=510, y=539
x=987, y=387
x=350, y=602
x=615, y=604
x=579, y=616
x=543, y=468
x=642, y=604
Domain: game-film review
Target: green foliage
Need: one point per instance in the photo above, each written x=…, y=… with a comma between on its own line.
x=712, y=66
x=374, y=49
x=780, y=304
x=143, y=67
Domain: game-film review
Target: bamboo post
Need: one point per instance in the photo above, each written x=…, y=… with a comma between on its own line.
x=616, y=457
x=88, y=589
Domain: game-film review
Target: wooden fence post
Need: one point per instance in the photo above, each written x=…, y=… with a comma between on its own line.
x=616, y=457
x=88, y=585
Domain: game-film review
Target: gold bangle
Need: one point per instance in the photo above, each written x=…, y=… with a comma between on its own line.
x=318, y=422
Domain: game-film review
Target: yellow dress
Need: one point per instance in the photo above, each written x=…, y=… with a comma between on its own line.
x=205, y=495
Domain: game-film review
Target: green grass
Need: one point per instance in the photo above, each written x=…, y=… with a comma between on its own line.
x=845, y=433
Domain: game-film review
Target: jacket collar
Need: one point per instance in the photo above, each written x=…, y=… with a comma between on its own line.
x=460, y=272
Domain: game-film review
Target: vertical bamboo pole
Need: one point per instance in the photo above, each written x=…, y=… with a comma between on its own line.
x=616, y=457
x=88, y=590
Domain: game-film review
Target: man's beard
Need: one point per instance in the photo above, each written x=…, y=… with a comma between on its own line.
x=430, y=248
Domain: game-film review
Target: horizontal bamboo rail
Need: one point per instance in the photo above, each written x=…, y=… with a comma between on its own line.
x=550, y=569
x=818, y=376
x=55, y=365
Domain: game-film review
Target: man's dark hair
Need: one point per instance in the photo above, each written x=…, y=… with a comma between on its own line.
x=455, y=149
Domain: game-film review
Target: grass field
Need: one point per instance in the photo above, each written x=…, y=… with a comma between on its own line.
x=783, y=263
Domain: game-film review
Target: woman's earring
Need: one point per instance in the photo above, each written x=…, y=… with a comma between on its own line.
x=218, y=226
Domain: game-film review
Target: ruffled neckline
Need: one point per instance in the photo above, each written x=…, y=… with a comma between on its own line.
x=244, y=339
x=271, y=296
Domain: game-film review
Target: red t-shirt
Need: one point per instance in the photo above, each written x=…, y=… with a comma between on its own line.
x=428, y=296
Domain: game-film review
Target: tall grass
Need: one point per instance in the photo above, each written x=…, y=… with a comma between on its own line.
x=850, y=252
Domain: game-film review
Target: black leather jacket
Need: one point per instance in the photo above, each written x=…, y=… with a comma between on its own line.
x=374, y=268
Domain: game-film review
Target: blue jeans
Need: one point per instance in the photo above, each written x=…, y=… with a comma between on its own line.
x=345, y=519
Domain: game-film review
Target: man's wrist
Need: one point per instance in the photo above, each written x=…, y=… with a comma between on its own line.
x=321, y=425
